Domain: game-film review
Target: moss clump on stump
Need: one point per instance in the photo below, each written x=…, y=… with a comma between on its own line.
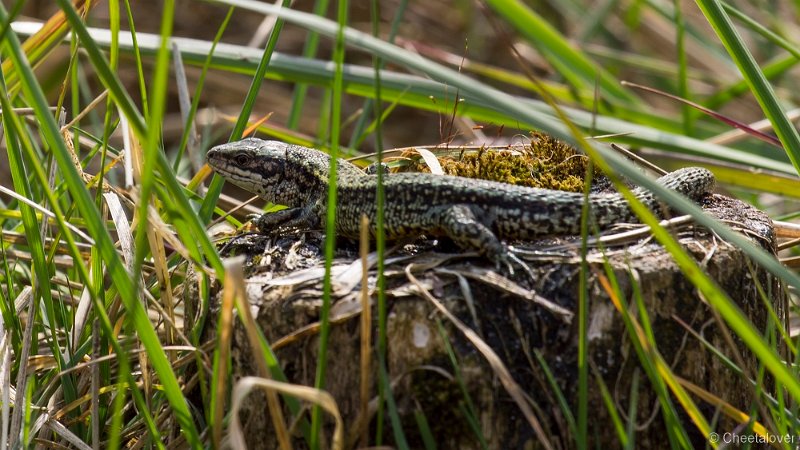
x=545, y=162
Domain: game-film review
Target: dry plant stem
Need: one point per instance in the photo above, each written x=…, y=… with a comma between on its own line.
x=236, y=208
x=788, y=244
x=85, y=111
x=310, y=330
x=439, y=149
x=159, y=256
x=44, y=231
x=503, y=284
x=95, y=387
x=366, y=331
x=170, y=321
x=26, y=111
x=63, y=261
x=786, y=229
x=735, y=135
x=639, y=231
x=11, y=237
x=511, y=386
x=92, y=180
x=228, y=201
x=46, y=212
x=90, y=364
x=638, y=159
x=791, y=262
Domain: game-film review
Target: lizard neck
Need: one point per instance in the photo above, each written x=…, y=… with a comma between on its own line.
x=306, y=177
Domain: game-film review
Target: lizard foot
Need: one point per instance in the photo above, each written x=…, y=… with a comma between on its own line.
x=522, y=264
x=504, y=256
x=463, y=223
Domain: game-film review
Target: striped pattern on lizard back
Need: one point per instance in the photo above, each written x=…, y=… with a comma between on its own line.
x=472, y=212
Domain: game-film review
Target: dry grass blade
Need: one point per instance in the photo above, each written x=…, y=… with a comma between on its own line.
x=155, y=238
x=60, y=430
x=5, y=385
x=511, y=386
x=469, y=299
x=185, y=102
x=170, y=237
x=122, y=225
x=56, y=25
x=337, y=317
x=726, y=408
x=81, y=316
x=305, y=393
x=430, y=160
x=16, y=420
x=504, y=284
x=235, y=288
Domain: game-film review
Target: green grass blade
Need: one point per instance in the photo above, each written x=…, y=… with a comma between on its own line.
x=713, y=294
x=523, y=111
x=96, y=226
x=215, y=187
x=359, y=131
x=481, y=102
x=611, y=407
x=572, y=426
x=568, y=61
x=309, y=50
x=199, y=89
x=330, y=222
x=759, y=85
x=683, y=70
x=771, y=70
x=582, y=427
x=122, y=100
x=137, y=57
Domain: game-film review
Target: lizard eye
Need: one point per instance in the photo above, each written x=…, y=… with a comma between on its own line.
x=242, y=159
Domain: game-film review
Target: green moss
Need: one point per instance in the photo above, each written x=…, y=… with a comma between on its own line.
x=545, y=162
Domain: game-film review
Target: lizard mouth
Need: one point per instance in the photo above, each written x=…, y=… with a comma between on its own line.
x=218, y=160
x=216, y=163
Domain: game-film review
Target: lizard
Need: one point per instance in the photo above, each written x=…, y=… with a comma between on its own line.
x=475, y=214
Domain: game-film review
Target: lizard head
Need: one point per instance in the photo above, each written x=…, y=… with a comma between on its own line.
x=278, y=172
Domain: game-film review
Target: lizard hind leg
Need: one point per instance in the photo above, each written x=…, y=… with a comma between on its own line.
x=461, y=224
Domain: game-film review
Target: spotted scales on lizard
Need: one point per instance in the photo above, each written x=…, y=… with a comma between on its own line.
x=475, y=214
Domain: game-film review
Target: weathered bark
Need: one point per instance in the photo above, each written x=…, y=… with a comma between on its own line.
x=516, y=329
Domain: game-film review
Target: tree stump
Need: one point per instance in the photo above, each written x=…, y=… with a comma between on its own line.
x=530, y=323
